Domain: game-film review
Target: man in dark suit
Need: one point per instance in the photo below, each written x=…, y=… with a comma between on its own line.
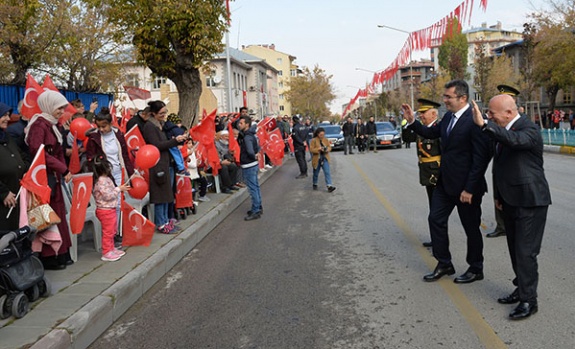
x=522, y=193
x=465, y=154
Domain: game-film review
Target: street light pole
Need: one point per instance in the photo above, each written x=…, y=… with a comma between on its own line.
x=410, y=58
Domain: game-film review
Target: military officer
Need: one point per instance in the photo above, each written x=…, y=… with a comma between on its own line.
x=428, y=150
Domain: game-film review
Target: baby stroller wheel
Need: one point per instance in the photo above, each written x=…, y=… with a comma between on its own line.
x=4, y=311
x=19, y=304
x=33, y=293
x=45, y=287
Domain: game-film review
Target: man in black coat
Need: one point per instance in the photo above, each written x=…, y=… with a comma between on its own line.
x=371, y=131
x=522, y=193
x=465, y=154
x=348, y=136
x=299, y=136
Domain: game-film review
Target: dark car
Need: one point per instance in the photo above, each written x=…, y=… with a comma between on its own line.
x=387, y=135
x=334, y=134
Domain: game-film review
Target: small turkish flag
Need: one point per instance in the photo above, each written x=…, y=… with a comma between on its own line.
x=36, y=179
x=30, y=101
x=184, y=196
x=274, y=147
x=136, y=229
x=134, y=141
x=205, y=133
x=81, y=193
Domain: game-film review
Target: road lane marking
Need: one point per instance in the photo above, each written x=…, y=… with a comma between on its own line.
x=482, y=329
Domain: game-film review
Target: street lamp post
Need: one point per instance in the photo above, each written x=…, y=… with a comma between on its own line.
x=410, y=59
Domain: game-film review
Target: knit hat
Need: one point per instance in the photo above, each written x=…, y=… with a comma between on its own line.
x=174, y=118
x=49, y=101
x=4, y=108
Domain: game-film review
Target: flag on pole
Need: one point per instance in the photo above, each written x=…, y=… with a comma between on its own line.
x=30, y=101
x=205, y=133
x=36, y=179
x=134, y=141
x=136, y=229
x=81, y=193
x=137, y=93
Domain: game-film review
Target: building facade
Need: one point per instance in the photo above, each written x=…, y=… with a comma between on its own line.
x=286, y=69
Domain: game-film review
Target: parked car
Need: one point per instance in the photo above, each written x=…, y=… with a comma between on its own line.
x=387, y=135
x=334, y=134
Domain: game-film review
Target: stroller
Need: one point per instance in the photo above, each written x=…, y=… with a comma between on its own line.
x=22, y=278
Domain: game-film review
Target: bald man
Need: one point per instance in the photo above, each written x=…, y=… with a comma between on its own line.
x=522, y=193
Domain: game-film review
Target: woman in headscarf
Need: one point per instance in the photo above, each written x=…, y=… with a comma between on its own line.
x=43, y=129
x=11, y=171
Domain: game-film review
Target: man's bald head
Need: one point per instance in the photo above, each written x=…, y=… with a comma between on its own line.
x=502, y=109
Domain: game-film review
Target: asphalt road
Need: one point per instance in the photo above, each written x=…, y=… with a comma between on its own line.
x=343, y=270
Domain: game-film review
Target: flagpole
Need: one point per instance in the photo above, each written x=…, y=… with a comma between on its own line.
x=229, y=72
x=11, y=208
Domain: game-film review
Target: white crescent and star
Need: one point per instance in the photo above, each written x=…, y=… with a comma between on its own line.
x=81, y=187
x=28, y=90
x=35, y=173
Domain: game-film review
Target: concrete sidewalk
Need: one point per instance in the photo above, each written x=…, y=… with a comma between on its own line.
x=90, y=295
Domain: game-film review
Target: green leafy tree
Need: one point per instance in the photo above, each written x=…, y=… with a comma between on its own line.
x=434, y=88
x=311, y=92
x=174, y=38
x=452, y=55
x=28, y=30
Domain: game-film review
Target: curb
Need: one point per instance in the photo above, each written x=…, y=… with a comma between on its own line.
x=83, y=327
x=559, y=149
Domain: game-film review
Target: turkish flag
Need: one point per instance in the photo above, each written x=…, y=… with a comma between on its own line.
x=136, y=229
x=134, y=141
x=36, y=179
x=233, y=146
x=275, y=147
x=184, y=196
x=69, y=111
x=290, y=143
x=205, y=133
x=74, y=165
x=137, y=93
x=30, y=101
x=81, y=193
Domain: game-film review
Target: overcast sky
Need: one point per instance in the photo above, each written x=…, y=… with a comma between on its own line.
x=340, y=36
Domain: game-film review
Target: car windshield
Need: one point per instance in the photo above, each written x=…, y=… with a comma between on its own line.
x=331, y=129
x=384, y=126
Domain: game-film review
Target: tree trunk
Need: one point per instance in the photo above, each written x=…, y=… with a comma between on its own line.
x=189, y=87
x=552, y=95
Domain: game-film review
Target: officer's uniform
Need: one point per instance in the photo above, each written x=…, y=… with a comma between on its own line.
x=428, y=153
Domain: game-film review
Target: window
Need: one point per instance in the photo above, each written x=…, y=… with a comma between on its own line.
x=567, y=97
x=281, y=96
x=476, y=97
x=211, y=79
x=281, y=84
x=280, y=73
x=280, y=61
x=133, y=80
x=157, y=82
x=281, y=108
x=293, y=72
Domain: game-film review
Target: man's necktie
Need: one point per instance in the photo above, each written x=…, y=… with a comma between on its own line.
x=450, y=126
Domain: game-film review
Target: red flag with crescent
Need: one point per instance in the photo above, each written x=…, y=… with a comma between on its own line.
x=275, y=147
x=184, y=196
x=81, y=193
x=36, y=179
x=30, y=101
x=137, y=93
x=134, y=141
x=205, y=134
x=290, y=143
x=137, y=230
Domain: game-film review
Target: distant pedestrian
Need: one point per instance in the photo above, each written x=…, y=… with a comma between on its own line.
x=320, y=148
x=360, y=135
x=249, y=149
x=371, y=131
x=348, y=136
x=299, y=136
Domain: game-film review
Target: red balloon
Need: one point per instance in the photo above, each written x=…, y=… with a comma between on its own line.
x=139, y=188
x=147, y=157
x=79, y=126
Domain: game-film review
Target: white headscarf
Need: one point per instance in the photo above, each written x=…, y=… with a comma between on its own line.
x=48, y=101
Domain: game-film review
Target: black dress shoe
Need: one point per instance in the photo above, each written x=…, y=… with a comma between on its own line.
x=227, y=191
x=468, y=277
x=523, y=311
x=438, y=273
x=302, y=175
x=253, y=216
x=261, y=211
x=495, y=234
x=427, y=244
x=510, y=299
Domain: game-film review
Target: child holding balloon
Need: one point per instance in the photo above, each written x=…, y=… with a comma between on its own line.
x=106, y=195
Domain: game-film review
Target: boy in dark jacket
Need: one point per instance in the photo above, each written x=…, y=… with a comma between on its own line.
x=249, y=148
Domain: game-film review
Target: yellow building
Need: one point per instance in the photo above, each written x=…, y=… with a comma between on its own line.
x=283, y=63
x=491, y=37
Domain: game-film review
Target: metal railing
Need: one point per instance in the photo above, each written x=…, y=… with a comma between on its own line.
x=558, y=136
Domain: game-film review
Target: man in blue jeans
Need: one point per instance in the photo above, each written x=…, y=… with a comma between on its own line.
x=249, y=148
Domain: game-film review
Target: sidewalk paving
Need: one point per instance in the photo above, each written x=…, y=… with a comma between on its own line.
x=90, y=295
